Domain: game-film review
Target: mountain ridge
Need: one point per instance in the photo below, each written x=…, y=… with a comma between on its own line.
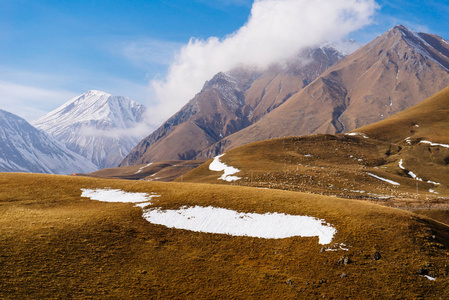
x=229, y=102
x=24, y=148
x=380, y=79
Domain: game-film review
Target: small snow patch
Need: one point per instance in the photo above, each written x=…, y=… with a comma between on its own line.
x=225, y=221
x=414, y=176
x=383, y=179
x=357, y=134
x=410, y=173
x=429, y=277
x=217, y=165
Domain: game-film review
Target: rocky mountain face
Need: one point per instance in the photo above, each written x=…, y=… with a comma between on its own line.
x=391, y=73
x=95, y=126
x=24, y=148
x=230, y=102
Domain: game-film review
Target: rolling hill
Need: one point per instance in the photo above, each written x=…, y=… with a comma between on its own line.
x=56, y=243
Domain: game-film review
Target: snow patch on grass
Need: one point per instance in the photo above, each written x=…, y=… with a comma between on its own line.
x=115, y=195
x=384, y=179
x=218, y=166
x=357, y=134
x=225, y=221
x=220, y=220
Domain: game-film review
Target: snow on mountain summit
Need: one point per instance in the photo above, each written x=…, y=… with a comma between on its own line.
x=95, y=125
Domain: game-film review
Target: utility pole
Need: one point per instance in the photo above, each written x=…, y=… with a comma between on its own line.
x=417, y=191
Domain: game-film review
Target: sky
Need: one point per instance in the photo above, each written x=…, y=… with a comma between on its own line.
x=160, y=52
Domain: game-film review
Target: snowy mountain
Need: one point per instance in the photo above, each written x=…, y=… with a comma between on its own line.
x=24, y=148
x=95, y=125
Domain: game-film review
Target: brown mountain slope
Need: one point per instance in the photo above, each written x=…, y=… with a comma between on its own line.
x=393, y=72
x=228, y=103
x=427, y=120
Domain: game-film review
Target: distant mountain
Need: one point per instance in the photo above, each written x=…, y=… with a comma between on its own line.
x=230, y=102
x=24, y=148
x=93, y=125
x=395, y=71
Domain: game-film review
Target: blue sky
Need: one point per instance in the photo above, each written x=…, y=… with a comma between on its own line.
x=54, y=50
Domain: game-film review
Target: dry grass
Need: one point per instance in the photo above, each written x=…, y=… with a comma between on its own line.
x=159, y=171
x=55, y=244
x=336, y=165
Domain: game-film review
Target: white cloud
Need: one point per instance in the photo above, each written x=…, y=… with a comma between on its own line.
x=276, y=30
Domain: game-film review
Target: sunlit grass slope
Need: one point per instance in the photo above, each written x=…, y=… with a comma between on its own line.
x=56, y=244
x=341, y=165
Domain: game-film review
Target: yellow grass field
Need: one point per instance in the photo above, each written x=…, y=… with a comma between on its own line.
x=55, y=244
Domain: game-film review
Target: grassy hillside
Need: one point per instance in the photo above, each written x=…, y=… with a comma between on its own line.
x=159, y=171
x=336, y=165
x=56, y=244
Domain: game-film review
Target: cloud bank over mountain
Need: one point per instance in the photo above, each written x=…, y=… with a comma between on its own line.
x=275, y=30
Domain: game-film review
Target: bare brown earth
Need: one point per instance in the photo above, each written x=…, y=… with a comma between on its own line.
x=159, y=171
x=395, y=71
x=55, y=244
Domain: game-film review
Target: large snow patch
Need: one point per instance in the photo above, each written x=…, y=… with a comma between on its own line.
x=225, y=221
x=220, y=220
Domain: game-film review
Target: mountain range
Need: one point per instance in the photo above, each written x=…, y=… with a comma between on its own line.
x=323, y=94
x=24, y=148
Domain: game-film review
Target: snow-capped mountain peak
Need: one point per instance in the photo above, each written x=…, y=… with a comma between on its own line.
x=87, y=123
